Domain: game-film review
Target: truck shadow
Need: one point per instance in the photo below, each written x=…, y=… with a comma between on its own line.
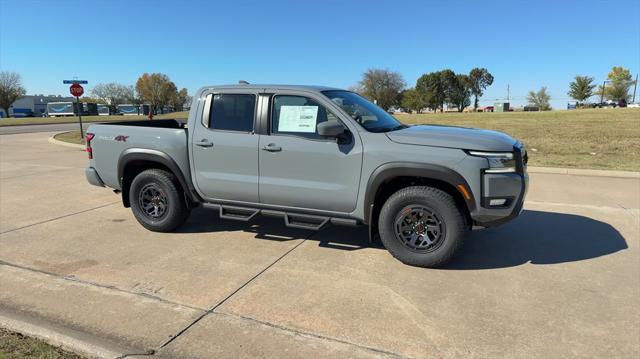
x=534, y=237
x=539, y=238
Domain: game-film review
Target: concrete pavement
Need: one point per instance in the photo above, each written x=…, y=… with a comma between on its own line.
x=562, y=280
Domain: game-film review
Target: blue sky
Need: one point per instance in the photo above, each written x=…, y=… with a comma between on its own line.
x=524, y=44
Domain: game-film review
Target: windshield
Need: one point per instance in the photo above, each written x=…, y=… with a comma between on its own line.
x=368, y=115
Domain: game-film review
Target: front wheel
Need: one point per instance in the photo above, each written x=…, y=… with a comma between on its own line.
x=422, y=226
x=157, y=202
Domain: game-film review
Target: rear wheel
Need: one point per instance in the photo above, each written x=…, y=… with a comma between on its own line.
x=157, y=201
x=422, y=226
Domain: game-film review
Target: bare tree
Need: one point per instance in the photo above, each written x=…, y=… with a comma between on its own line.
x=383, y=86
x=539, y=99
x=113, y=93
x=10, y=89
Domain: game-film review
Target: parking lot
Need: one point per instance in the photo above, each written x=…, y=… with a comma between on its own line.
x=562, y=280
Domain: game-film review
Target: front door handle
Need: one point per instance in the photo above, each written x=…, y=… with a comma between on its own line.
x=204, y=143
x=272, y=148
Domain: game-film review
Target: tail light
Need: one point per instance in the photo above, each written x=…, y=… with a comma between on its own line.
x=88, y=137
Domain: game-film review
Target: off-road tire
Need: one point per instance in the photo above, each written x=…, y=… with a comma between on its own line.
x=176, y=212
x=438, y=201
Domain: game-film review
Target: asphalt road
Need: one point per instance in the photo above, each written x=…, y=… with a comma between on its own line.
x=562, y=280
x=9, y=130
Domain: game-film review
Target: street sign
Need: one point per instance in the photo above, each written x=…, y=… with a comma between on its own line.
x=76, y=90
x=69, y=82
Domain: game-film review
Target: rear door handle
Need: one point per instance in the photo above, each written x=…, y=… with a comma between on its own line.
x=204, y=143
x=272, y=148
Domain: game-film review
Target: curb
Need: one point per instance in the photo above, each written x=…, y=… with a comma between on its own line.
x=62, y=143
x=584, y=172
x=66, y=339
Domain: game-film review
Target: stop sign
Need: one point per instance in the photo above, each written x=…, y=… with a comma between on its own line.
x=76, y=90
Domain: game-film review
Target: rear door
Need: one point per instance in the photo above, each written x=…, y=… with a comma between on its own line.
x=299, y=168
x=225, y=146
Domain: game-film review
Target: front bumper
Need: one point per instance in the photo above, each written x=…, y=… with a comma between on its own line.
x=512, y=187
x=93, y=177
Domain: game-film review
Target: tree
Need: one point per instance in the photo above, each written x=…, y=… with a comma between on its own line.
x=539, y=99
x=179, y=100
x=382, y=86
x=10, y=89
x=479, y=79
x=129, y=95
x=155, y=89
x=93, y=100
x=412, y=100
x=112, y=93
x=620, y=81
x=436, y=87
x=459, y=91
x=581, y=88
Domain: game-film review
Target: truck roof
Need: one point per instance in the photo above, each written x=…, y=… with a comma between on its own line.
x=315, y=88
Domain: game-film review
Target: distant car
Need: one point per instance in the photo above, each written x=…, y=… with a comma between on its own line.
x=633, y=105
x=622, y=103
x=488, y=109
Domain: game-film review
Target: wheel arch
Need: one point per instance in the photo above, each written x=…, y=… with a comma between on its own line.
x=135, y=160
x=390, y=177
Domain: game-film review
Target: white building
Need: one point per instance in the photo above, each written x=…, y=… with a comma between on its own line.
x=33, y=105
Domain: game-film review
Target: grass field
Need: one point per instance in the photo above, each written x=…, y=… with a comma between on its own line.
x=594, y=138
x=607, y=139
x=46, y=120
x=17, y=346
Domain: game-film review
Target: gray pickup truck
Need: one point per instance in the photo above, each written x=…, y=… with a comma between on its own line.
x=313, y=156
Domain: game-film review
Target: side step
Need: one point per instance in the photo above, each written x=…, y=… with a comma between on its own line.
x=304, y=221
x=294, y=220
x=238, y=213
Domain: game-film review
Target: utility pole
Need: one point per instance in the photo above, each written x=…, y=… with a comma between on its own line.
x=604, y=83
x=635, y=86
x=508, y=93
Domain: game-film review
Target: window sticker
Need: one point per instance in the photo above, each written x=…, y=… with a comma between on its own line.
x=298, y=119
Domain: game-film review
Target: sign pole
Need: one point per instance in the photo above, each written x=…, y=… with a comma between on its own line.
x=76, y=90
x=80, y=115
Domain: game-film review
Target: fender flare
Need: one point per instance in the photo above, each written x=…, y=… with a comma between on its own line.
x=392, y=170
x=141, y=154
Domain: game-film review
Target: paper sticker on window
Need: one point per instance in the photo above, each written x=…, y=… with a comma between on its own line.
x=298, y=119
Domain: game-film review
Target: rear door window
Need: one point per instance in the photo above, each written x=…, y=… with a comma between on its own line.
x=233, y=112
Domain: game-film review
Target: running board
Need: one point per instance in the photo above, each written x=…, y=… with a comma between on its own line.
x=305, y=221
x=238, y=213
x=294, y=220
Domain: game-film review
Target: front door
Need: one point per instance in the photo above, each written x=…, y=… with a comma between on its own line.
x=225, y=147
x=299, y=168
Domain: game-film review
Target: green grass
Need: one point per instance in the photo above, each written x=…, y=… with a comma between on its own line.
x=606, y=139
x=17, y=346
x=52, y=120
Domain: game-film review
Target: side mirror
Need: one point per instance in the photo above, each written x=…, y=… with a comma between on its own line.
x=330, y=129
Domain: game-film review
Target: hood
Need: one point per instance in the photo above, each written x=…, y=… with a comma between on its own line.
x=453, y=137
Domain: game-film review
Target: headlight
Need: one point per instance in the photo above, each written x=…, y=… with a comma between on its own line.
x=499, y=162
